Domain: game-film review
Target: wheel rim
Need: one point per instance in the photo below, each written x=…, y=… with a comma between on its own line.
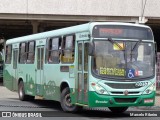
x=21, y=91
x=68, y=100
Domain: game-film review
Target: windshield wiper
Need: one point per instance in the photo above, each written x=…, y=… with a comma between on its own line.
x=133, y=49
x=136, y=45
x=114, y=42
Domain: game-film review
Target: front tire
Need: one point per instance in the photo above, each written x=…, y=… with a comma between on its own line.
x=66, y=102
x=118, y=109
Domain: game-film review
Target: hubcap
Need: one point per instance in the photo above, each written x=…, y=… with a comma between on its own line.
x=68, y=100
x=21, y=91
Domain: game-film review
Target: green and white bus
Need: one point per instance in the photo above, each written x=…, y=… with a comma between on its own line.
x=97, y=64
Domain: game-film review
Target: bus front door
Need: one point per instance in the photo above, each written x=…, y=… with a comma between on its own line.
x=15, y=71
x=82, y=75
x=39, y=70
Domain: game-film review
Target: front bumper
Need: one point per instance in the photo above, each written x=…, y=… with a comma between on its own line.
x=97, y=100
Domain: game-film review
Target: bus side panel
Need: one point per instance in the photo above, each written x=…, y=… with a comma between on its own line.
x=53, y=78
x=51, y=81
x=27, y=73
x=8, y=76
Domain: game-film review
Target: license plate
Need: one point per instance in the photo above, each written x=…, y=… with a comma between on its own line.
x=148, y=101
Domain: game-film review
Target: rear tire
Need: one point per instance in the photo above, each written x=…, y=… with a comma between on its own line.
x=66, y=102
x=21, y=93
x=118, y=109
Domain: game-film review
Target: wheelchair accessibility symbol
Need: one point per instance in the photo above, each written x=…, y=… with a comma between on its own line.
x=131, y=73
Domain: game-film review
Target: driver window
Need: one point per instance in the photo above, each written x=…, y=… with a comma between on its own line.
x=104, y=55
x=100, y=47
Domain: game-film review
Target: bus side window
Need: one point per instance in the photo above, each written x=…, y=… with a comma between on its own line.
x=31, y=50
x=8, y=54
x=22, y=53
x=86, y=46
x=68, y=49
x=54, y=50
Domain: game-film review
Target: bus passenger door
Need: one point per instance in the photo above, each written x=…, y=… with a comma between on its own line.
x=15, y=70
x=82, y=75
x=39, y=70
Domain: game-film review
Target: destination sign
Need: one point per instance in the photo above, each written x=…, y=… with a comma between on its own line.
x=112, y=71
x=122, y=32
x=104, y=31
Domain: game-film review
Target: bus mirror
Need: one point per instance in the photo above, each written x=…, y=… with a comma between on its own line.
x=91, y=49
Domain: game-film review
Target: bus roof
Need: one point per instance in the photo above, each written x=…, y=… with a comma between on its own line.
x=67, y=30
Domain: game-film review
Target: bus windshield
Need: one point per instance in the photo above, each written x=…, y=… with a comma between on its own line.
x=123, y=59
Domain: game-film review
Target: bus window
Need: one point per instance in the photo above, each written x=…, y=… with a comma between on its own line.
x=54, y=50
x=22, y=53
x=8, y=54
x=80, y=56
x=31, y=49
x=68, y=49
x=86, y=56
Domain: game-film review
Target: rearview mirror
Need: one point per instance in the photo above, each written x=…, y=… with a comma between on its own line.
x=91, y=49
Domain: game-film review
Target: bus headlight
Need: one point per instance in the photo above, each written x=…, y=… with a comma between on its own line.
x=99, y=89
x=150, y=89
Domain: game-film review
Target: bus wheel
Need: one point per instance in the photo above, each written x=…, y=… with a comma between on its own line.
x=21, y=91
x=66, y=102
x=118, y=109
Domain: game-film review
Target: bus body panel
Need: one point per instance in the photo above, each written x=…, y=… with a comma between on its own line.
x=8, y=77
x=53, y=81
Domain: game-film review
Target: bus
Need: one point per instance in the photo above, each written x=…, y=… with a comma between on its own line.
x=96, y=64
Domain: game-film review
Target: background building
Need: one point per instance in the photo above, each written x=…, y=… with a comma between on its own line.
x=24, y=17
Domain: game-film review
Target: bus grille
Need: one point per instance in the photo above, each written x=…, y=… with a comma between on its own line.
x=122, y=86
x=129, y=93
x=125, y=100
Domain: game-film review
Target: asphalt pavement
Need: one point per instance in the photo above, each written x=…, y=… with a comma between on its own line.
x=9, y=102
x=5, y=94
